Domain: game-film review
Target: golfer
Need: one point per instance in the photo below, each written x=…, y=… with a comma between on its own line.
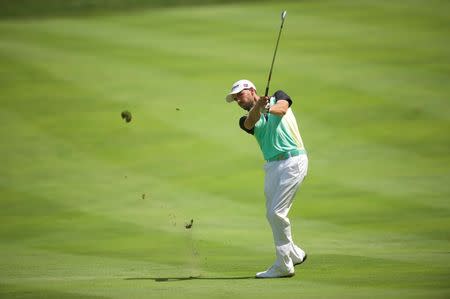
x=275, y=128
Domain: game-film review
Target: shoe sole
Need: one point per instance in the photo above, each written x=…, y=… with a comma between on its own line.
x=304, y=259
x=286, y=276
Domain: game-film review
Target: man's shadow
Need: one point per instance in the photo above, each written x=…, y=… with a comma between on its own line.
x=170, y=279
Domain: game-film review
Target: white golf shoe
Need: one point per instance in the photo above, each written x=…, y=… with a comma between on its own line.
x=299, y=261
x=275, y=272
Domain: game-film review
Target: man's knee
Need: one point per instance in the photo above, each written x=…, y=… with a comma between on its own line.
x=274, y=216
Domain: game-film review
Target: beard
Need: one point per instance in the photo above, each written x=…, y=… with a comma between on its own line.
x=247, y=106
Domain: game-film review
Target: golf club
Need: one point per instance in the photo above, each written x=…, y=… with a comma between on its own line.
x=283, y=16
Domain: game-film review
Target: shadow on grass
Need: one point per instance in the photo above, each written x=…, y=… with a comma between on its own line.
x=169, y=279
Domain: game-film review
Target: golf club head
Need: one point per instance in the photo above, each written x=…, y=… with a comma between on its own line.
x=283, y=15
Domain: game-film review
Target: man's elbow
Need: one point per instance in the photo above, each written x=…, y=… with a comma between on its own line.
x=278, y=111
x=248, y=125
x=283, y=112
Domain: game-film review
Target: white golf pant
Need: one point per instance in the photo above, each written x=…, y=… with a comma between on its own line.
x=282, y=181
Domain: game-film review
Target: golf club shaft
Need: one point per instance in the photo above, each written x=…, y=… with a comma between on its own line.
x=283, y=15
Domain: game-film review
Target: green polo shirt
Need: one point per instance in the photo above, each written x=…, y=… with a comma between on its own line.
x=275, y=134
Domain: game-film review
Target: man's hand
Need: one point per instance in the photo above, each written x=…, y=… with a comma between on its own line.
x=263, y=104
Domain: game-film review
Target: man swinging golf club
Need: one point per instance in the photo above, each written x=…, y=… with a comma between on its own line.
x=271, y=121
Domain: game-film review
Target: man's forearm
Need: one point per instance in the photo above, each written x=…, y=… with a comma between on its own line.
x=280, y=108
x=253, y=117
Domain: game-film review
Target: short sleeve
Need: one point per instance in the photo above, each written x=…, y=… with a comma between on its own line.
x=281, y=95
x=241, y=124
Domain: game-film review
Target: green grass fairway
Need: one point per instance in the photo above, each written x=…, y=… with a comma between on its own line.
x=93, y=207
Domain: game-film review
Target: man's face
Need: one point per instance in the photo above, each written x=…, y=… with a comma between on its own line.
x=245, y=99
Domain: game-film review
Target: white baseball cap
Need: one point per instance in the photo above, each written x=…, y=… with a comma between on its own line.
x=237, y=87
